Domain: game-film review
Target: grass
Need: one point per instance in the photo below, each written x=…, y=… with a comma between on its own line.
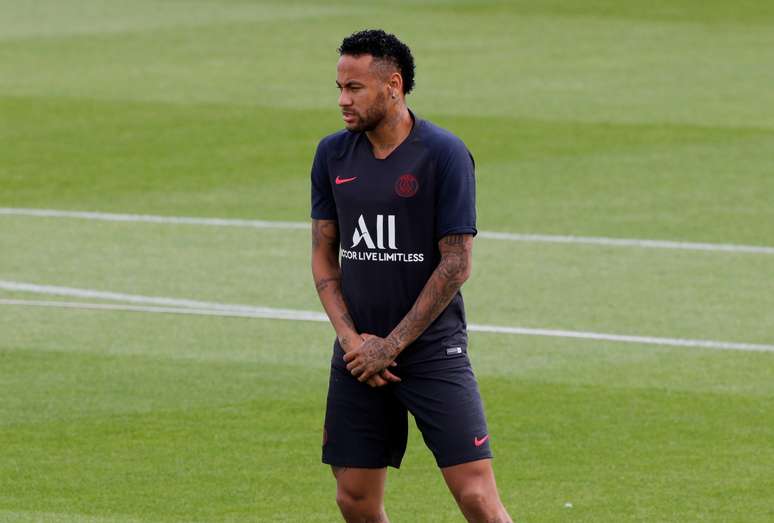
x=632, y=120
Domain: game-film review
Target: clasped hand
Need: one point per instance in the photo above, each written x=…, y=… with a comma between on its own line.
x=369, y=362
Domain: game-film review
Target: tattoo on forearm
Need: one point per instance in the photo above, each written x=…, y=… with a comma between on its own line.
x=325, y=243
x=324, y=283
x=439, y=290
x=332, y=299
x=347, y=319
x=452, y=265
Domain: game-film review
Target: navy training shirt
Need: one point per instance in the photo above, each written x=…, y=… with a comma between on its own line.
x=391, y=213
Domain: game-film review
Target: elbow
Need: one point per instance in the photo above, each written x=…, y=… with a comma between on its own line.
x=461, y=269
x=315, y=266
x=463, y=274
x=456, y=269
x=324, y=261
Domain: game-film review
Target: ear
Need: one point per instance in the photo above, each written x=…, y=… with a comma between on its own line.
x=396, y=84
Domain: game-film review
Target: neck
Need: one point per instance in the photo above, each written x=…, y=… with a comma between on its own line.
x=392, y=130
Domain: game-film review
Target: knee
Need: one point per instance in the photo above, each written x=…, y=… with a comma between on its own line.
x=348, y=501
x=479, y=501
x=358, y=506
x=472, y=497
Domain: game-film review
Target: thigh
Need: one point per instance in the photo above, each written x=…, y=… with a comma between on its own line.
x=449, y=412
x=364, y=427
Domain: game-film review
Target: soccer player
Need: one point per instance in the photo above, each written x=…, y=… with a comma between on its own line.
x=394, y=197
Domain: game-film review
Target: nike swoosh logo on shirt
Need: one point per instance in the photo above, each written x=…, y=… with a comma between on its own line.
x=478, y=442
x=339, y=181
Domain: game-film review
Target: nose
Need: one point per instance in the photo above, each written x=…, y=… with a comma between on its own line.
x=344, y=99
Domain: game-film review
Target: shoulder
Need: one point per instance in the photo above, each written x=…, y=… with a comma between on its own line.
x=443, y=144
x=437, y=137
x=336, y=144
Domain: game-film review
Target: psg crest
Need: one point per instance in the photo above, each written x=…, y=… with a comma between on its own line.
x=406, y=186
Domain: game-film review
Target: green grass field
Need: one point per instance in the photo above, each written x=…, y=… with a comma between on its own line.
x=643, y=120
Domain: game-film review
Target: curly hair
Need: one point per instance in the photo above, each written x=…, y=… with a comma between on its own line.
x=382, y=46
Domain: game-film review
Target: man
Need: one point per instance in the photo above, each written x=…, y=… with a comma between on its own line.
x=395, y=196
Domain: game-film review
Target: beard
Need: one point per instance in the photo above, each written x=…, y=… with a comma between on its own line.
x=372, y=118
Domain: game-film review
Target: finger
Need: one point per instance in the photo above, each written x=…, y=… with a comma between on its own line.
x=352, y=364
x=365, y=374
x=357, y=371
x=389, y=376
x=349, y=356
x=393, y=364
x=366, y=335
x=377, y=381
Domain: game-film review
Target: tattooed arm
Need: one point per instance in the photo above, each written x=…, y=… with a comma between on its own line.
x=327, y=278
x=447, y=278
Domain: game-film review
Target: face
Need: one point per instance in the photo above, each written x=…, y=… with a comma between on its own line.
x=363, y=98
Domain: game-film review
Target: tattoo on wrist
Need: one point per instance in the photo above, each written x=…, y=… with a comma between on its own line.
x=382, y=353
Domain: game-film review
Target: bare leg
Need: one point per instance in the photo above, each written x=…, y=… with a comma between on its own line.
x=473, y=486
x=360, y=494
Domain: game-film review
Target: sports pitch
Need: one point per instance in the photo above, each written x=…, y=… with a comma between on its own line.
x=121, y=400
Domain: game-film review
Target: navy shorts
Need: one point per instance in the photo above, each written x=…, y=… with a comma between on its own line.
x=367, y=427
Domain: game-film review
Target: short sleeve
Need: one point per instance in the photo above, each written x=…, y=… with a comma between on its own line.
x=455, y=192
x=323, y=204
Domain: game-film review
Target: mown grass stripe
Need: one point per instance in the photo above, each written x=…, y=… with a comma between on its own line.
x=507, y=236
x=191, y=307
